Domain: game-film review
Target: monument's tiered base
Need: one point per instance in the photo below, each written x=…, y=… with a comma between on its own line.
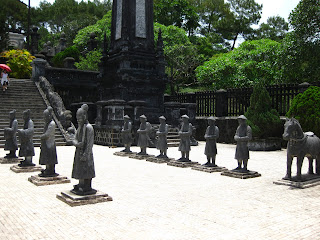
x=159, y=159
x=239, y=174
x=181, y=164
x=209, y=169
x=308, y=180
x=41, y=181
x=18, y=169
x=75, y=200
x=140, y=156
x=9, y=160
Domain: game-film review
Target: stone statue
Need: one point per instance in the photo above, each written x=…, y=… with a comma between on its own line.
x=300, y=144
x=10, y=135
x=162, y=137
x=185, y=133
x=211, y=135
x=48, y=154
x=126, y=134
x=83, y=164
x=143, y=131
x=242, y=137
x=26, y=140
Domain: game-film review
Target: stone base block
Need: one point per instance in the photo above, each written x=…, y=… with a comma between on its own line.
x=180, y=164
x=159, y=160
x=75, y=200
x=209, y=169
x=41, y=181
x=18, y=169
x=308, y=180
x=140, y=157
x=10, y=160
x=242, y=175
x=123, y=154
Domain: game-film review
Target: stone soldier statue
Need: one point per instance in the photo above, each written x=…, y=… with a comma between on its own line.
x=211, y=135
x=26, y=140
x=83, y=164
x=162, y=133
x=126, y=134
x=143, y=131
x=242, y=137
x=48, y=154
x=10, y=135
x=185, y=133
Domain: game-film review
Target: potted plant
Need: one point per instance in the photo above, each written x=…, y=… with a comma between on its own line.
x=264, y=121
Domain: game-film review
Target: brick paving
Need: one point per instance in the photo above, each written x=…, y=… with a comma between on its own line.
x=156, y=201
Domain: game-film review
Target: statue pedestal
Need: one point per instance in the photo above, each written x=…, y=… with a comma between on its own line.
x=308, y=180
x=76, y=200
x=159, y=159
x=123, y=154
x=140, y=157
x=41, y=181
x=209, y=169
x=180, y=164
x=10, y=160
x=242, y=175
x=18, y=169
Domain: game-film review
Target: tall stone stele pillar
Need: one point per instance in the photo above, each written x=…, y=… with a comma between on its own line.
x=134, y=66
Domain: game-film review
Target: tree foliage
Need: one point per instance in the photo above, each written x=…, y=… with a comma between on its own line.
x=275, y=29
x=253, y=61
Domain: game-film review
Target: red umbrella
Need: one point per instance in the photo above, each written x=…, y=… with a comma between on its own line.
x=5, y=67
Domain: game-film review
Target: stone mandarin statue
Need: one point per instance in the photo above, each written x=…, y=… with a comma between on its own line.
x=211, y=135
x=48, y=154
x=242, y=137
x=143, y=131
x=83, y=164
x=126, y=134
x=26, y=140
x=185, y=133
x=10, y=135
x=162, y=133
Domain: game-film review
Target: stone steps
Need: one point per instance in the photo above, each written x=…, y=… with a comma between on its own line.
x=23, y=94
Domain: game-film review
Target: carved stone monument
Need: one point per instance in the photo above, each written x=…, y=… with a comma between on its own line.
x=126, y=136
x=10, y=135
x=83, y=165
x=48, y=154
x=242, y=137
x=26, y=146
x=300, y=145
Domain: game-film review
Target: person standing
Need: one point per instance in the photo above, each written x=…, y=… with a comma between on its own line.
x=4, y=80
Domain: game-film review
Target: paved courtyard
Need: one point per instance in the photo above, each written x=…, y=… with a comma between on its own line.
x=156, y=201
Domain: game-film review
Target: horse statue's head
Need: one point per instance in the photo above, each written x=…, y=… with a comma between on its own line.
x=292, y=129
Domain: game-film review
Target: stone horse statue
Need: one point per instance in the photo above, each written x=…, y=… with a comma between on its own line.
x=300, y=144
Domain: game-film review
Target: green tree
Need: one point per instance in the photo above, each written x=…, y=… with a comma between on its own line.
x=251, y=62
x=301, y=48
x=275, y=29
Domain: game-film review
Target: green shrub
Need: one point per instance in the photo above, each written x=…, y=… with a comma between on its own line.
x=20, y=62
x=264, y=120
x=72, y=51
x=90, y=61
x=305, y=107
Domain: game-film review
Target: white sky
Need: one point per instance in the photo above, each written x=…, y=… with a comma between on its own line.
x=270, y=7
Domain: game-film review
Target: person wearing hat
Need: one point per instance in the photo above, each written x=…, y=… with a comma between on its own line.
x=242, y=137
x=10, y=135
x=143, y=131
x=48, y=154
x=211, y=135
x=162, y=133
x=26, y=140
x=185, y=133
x=126, y=134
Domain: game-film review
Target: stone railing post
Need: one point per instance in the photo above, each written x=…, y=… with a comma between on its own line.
x=221, y=106
x=38, y=68
x=303, y=87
